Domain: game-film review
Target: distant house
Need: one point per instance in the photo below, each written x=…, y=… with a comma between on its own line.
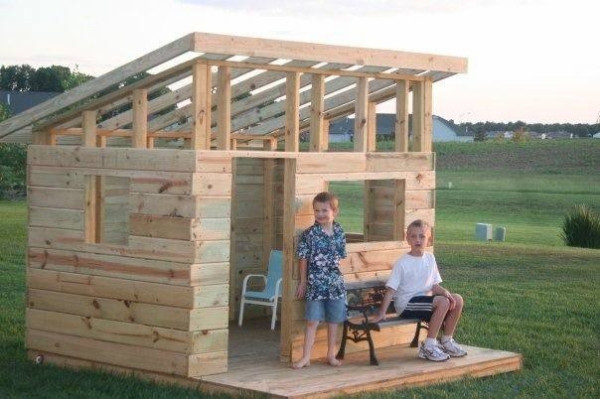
x=342, y=130
x=19, y=101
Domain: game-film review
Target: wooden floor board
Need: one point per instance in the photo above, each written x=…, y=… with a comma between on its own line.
x=254, y=366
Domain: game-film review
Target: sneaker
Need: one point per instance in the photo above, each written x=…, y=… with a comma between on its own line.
x=434, y=353
x=453, y=349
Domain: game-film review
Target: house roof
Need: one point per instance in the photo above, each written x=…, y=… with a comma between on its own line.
x=258, y=70
x=19, y=101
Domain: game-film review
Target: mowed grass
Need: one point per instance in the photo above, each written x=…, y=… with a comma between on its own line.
x=530, y=294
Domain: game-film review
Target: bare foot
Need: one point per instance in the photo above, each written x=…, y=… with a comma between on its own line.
x=334, y=362
x=301, y=363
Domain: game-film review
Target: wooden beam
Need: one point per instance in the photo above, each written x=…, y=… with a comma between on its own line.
x=338, y=70
x=92, y=87
x=201, y=102
x=292, y=105
x=88, y=125
x=139, y=138
x=401, y=125
x=361, y=112
x=212, y=43
x=316, y=113
x=224, y=108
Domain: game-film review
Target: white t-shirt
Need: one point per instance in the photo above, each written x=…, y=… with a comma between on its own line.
x=413, y=276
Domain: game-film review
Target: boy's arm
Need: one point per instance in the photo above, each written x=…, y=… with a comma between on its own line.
x=385, y=304
x=301, y=291
x=439, y=290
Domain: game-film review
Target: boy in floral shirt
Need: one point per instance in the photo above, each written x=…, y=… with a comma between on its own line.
x=320, y=249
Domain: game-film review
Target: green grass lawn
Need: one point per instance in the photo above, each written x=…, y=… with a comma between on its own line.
x=530, y=294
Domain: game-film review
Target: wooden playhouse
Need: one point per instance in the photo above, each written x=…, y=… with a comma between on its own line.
x=151, y=199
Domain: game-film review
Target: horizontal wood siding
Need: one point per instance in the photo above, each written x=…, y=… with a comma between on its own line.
x=155, y=287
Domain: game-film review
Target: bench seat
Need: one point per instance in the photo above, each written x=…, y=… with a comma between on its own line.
x=364, y=301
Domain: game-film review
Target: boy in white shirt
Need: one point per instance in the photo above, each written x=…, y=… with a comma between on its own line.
x=414, y=285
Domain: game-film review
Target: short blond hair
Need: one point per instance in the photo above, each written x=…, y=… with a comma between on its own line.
x=419, y=223
x=327, y=198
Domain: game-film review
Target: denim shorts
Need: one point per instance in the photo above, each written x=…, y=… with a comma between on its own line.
x=328, y=310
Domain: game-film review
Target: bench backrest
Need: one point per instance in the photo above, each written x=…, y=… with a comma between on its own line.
x=370, y=295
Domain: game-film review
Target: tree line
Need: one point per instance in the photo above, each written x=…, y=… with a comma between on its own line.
x=578, y=129
x=55, y=78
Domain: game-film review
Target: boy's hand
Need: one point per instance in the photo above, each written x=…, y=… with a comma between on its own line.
x=377, y=318
x=451, y=300
x=301, y=290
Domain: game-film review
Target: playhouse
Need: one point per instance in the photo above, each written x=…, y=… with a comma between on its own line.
x=151, y=199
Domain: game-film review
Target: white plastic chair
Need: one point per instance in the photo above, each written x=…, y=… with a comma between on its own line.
x=270, y=295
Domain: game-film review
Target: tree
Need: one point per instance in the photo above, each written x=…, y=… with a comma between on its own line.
x=54, y=78
x=50, y=78
x=16, y=77
x=4, y=112
x=480, y=134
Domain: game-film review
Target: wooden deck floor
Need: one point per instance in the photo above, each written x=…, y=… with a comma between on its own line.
x=254, y=367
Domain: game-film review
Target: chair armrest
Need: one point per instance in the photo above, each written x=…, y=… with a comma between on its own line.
x=248, y=277
x=278, y=287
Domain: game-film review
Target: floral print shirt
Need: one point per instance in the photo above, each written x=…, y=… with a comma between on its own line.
x=323, y=253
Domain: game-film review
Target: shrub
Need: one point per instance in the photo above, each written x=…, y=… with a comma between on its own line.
x=13, y=170
x=581, y=227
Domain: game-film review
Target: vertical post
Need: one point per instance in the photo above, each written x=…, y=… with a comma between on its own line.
x=325, y=135
x=372, y=127
x=40, y=138
x=139, y=137
x=418, y=125
x=201, y=104
x=292, y=105
x=88, y=126
x=361, y=115
x=290, y=313
x=269, y=211
x=401, y=126
x=399, y=210
x=90, y=235
x=224, y=108
x=427, y=142
x=317, y=106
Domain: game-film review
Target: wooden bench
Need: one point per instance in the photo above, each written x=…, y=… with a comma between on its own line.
x=364, y=300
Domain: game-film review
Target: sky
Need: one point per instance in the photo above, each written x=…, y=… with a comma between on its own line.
x=531, y=60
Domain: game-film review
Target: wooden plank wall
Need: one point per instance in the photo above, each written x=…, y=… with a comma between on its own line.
x=160, y=302
x=367, y=260
x=256, y=224
x=257, y=220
